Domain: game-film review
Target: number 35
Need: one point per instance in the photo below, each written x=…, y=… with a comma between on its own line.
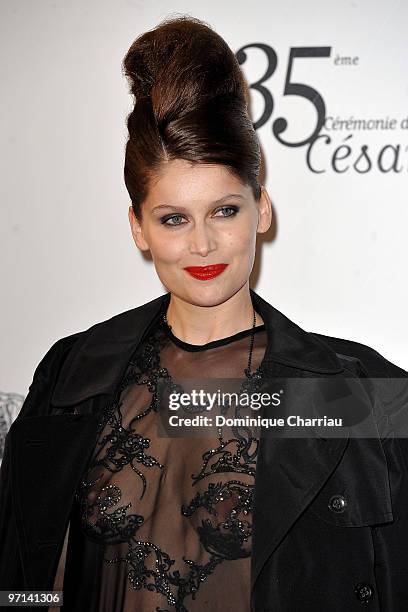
x=291, y=89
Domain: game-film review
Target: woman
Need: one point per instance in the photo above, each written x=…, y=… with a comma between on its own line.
x=95, y=502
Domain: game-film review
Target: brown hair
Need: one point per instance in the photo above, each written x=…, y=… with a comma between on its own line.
x=191, y=103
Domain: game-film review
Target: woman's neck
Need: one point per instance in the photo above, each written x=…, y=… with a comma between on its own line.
x=201, y=324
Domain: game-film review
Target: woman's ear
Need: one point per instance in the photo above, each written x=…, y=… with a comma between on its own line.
x=137, y=231
x=264, y=212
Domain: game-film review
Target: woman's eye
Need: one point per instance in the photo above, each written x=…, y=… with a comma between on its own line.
x=165, y=219
x=233, y=208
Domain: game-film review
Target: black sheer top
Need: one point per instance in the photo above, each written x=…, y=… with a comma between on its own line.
x=163, y=524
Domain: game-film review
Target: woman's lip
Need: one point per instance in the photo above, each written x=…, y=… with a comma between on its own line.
x=202, y=269
x=204, y=272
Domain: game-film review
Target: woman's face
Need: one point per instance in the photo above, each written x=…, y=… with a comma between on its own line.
x=200, y=215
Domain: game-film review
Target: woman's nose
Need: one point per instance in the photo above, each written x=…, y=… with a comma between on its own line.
x=202, y=240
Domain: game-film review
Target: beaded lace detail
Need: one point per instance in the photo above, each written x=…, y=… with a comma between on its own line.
x=172, y=512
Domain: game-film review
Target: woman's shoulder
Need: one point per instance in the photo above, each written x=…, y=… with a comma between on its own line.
x=373, y=362
x=50, y=364
x=113, y=328
x=80, y=355
x=388, y=383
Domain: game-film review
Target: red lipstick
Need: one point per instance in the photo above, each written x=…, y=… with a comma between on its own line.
x=206, y=272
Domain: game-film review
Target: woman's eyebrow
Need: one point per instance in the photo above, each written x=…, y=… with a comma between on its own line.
x=219, y=201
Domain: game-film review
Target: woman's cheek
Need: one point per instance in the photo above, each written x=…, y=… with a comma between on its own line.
x=166, y=251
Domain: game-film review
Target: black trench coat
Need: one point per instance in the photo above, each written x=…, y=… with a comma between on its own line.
x=330, y=520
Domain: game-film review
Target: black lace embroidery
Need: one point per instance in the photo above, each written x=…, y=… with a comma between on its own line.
x=121, y=446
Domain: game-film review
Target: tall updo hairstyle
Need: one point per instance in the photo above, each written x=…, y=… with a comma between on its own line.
x=191, y=103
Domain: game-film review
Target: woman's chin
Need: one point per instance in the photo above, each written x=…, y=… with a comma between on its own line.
x=207, y=294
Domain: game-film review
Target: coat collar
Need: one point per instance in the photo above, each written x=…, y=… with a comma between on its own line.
x=101, y=355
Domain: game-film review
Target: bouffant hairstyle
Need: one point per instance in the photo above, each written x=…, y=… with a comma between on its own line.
x=190, y=103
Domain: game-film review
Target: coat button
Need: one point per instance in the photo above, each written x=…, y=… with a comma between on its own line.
x=337, y=503
x=363, y=592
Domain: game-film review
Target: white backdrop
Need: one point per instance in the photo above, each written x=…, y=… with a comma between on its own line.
x=336, y=262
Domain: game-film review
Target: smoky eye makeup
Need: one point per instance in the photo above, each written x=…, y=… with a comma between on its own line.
x=232, y=210
x=165, y=218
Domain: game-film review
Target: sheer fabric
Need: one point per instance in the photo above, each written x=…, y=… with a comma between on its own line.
x=161, y=523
